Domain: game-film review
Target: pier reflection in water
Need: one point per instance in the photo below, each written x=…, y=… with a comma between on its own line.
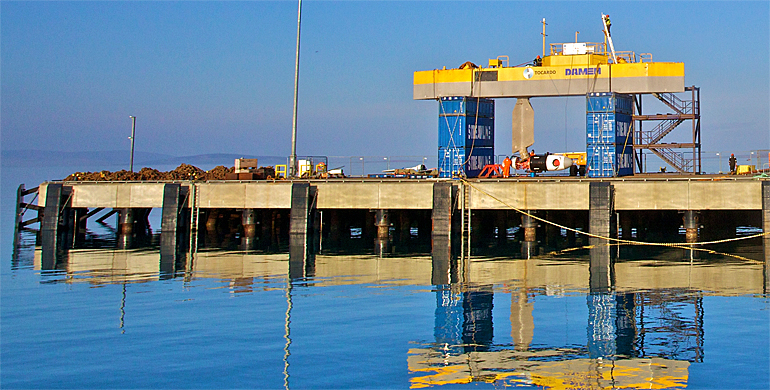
x=496, y=320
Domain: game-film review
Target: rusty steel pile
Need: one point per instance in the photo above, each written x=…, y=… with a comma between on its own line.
x=182, y=172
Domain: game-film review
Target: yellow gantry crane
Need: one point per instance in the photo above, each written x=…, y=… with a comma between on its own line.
x=568, y=69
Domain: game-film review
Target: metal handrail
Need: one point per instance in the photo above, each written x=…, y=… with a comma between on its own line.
x=627, y=56
x=592, y=48
x=661, y=130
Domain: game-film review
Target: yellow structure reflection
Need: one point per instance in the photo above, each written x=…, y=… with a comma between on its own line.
x=508, y=367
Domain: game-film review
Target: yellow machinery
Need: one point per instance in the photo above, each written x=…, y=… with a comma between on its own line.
x=745, y=169
x=578, y=162
x=571, y=69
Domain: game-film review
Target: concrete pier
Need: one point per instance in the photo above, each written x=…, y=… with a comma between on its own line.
x=269, y=214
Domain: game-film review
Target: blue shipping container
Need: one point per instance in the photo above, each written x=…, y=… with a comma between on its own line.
x=608, y=128
x=610, y=160
x=465, y=131
x=609, y=102
x=464, y=161
x=459, y=105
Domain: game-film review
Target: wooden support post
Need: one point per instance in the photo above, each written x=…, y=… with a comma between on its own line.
x=601, y=223
x=441, y=232
x=50, y=225
x=17, y=221
x=169, y=228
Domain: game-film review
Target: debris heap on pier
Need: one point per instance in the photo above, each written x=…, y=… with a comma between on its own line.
x=182, y=172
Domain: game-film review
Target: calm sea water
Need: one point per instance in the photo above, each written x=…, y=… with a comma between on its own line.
x=229, y=319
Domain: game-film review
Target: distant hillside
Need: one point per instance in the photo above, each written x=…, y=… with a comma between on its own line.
x=116, y=160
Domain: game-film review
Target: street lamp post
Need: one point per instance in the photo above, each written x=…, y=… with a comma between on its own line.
x=132, y=137
x=293, y=158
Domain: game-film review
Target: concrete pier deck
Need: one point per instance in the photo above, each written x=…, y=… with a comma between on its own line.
x=446, y=214
x=539, y=193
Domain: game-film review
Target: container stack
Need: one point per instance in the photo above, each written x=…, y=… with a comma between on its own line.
x=466, y=136
x=609, y=136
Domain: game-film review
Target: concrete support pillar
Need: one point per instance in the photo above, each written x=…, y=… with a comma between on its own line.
x=601, y=215
x=552, y=232
x=765, y=229
x=571, y=236
x=382, y=221
x=299, y=229
x=125, y=228
x=529, y=225
x=626, y=225
x=169, y=225
x=441, y=233
x=382, y=247
x=80, y=222
x=691, y=221
x=502, y=226
x=442, y=211
x=249, y=222
x=368, y=231
x=49, y=227
x=275, y=228
x=334, y=226
x=404, y=226
x=267, y=222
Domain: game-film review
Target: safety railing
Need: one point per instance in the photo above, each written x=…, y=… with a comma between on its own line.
x=365, y=165
x=625, y=57
x=659, y=131
x=557, y=49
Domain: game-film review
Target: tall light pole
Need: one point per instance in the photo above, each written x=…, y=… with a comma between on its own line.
x=293, y=157
x=133, y=134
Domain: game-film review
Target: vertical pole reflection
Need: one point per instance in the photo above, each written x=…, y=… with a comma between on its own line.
x=123, y=310
x=287, y=335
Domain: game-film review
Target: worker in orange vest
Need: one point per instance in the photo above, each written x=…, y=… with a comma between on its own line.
x=507, y=167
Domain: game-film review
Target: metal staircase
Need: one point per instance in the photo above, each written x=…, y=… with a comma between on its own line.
x=684, y=110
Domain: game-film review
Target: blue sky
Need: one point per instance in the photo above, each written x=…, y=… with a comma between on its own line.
x=218, y=77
